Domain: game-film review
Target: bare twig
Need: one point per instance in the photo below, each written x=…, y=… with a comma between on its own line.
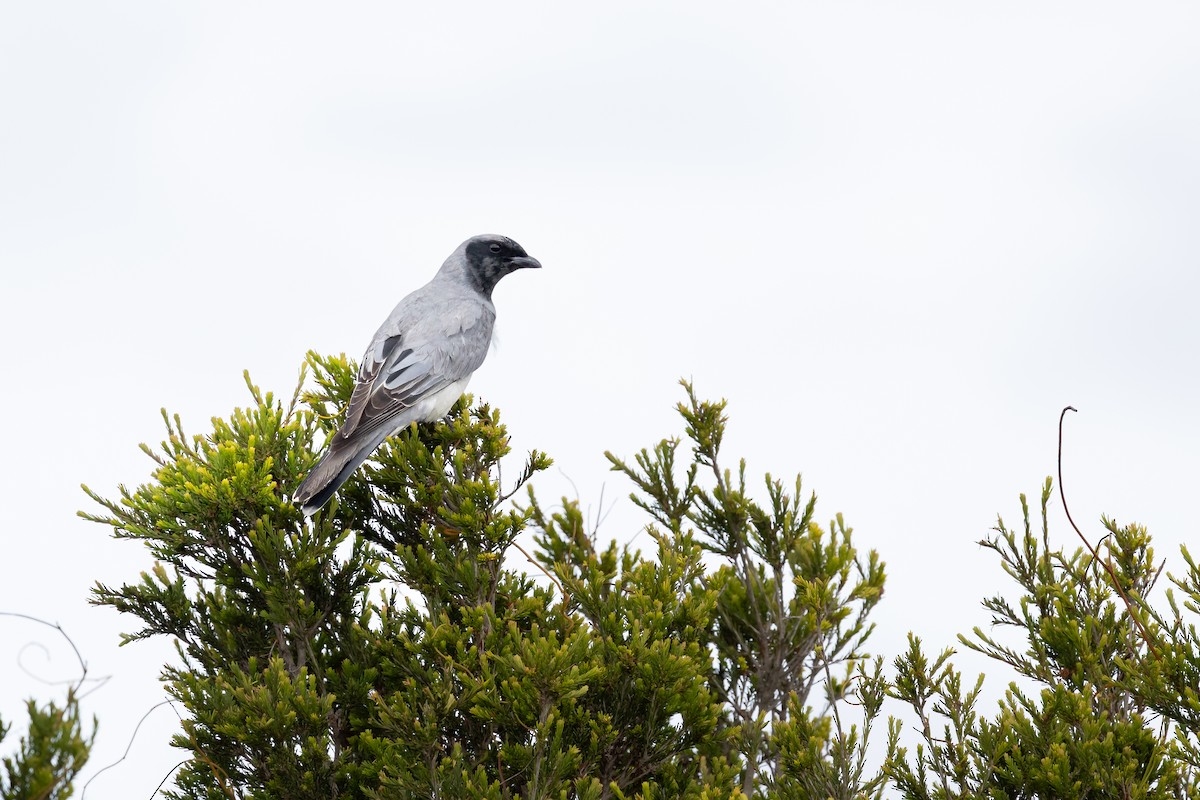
x=532, y=560
x=167, y=777
x=1095, y=555
x=83, y=667
x=128, y=747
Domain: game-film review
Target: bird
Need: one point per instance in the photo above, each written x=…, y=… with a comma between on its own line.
x=420, y=360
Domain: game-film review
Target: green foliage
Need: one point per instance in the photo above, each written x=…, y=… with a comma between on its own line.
x=49, y=755
x=1111, y=717
x=1168, y=684
x=394, y=645
x=789, y=604
x=386, y=648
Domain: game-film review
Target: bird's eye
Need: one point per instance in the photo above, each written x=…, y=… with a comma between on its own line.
x=495, y=248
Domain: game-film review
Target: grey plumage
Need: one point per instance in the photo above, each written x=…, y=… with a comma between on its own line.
x=420, y=360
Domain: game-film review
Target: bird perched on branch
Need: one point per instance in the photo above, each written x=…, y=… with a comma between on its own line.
x=420, y=360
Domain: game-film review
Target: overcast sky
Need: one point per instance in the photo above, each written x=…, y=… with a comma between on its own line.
x=897, y=237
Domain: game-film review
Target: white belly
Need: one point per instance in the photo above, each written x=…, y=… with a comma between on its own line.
x=437, y=405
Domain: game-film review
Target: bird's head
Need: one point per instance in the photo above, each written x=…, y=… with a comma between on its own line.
x=488, y=258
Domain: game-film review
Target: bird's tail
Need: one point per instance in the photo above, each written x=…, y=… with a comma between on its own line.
x=333, y=469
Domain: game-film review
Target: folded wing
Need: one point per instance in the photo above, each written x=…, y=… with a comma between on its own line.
x=410, y=373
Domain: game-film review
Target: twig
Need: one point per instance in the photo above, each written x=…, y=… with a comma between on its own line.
x=1095, y=555
x=565, y=597
x=128, y=747
x=74, y=683
x=82, y=664
x=167, y=777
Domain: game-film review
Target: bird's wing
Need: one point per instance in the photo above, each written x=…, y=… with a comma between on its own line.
x=424, y=346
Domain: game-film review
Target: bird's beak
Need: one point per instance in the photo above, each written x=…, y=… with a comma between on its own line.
x=521, y=262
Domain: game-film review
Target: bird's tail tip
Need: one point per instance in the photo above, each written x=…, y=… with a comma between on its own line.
x=332, y=470
x=309, y=501
x=319, y=486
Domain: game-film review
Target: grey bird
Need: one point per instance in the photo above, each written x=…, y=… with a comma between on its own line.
x=420, y=360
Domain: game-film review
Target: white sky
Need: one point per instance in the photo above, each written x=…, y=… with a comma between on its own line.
x=898, y=238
